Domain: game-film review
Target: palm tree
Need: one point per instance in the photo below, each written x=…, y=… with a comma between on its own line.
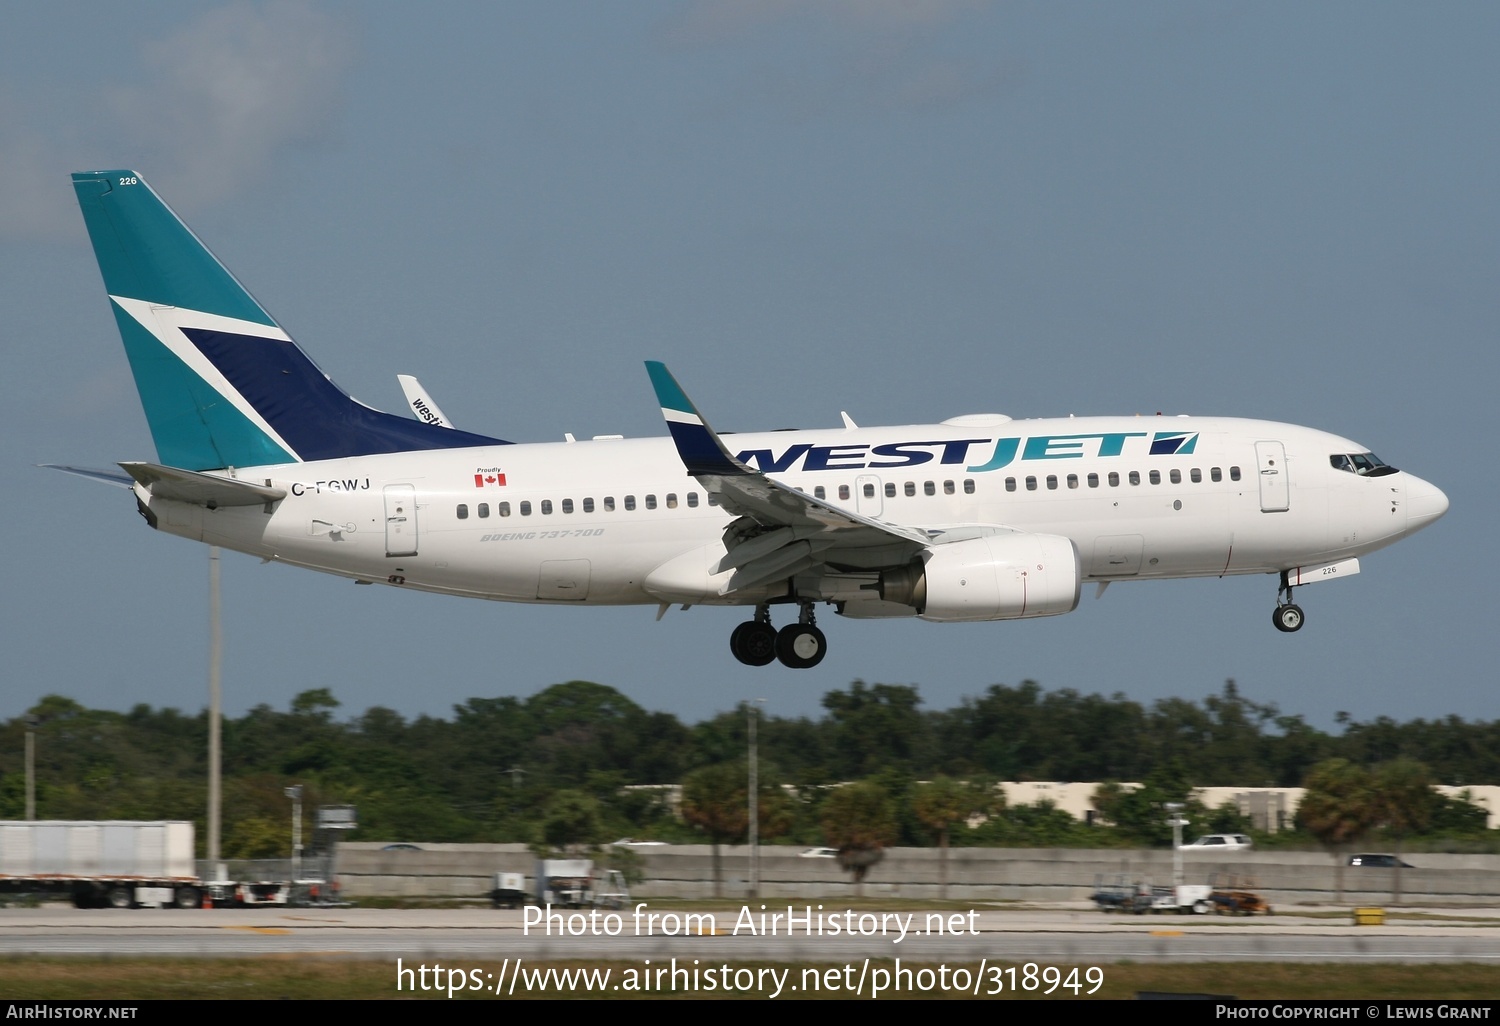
x=1403, y=797
x=715, y=800
x=859, y=820
x=1338, y=808
x=941, y=803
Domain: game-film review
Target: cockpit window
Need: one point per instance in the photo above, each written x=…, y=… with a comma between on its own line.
x=1365, y=464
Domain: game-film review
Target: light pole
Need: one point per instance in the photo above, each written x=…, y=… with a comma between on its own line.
x=1177, y=822
x=752, y=713
x=215, y=714
x=295, y=794
x=32, y=721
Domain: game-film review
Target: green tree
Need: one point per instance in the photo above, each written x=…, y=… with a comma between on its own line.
x=318, y=703
x=860, y=821
x=571, y=821
x=1403, y=805
x=941, y=803
x=1140, y=814
x=874, y=728
x=716, y=800
x=1338, y=808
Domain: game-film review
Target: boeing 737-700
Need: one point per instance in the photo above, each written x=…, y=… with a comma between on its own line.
x=977, y=518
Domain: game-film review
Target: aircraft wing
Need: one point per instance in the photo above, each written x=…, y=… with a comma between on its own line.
x=781, y=529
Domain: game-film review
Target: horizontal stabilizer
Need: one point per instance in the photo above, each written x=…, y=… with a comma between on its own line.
x=201, y=489
x=109, y=477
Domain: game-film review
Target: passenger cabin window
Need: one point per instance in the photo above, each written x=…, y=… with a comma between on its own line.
x=525, y=507
x=1031, y=484
x=911, y=488
x=1010, y=484
x=1072, y=480
x=1135, y=477
x=651, y=501
x=929, y=488
x=693, y=499
x=503, y=509
x=818, y=493
x=1234, y=473
x=1196, y=475
x=588, y=505
x=1093, y=480
x=969, y=486
x=567, y=505
x=629, y=502
x=546, y=507
x=890, y=490
x=671, y=500
x=947, y=487
x=1156, y=477
x=869, y=491
x=1052, y=482
x=713, y=500
x=1114, y=479
x=1215, y=474
x=463, y=511
x=843, y=491
x=483, y=510
x=609, y=504
x=1176, y=476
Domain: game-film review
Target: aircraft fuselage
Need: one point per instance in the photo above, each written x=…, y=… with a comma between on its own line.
x=591, y=521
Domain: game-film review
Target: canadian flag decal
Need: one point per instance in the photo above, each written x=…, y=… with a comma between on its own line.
x=488, y=477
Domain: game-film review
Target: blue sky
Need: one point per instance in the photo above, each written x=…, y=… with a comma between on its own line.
x=906, y=210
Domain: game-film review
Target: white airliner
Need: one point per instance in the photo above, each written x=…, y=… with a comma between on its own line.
x=977, y=518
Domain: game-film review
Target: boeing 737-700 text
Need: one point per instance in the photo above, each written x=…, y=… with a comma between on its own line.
x=977, y=518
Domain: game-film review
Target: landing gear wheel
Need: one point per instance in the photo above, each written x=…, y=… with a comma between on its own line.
x=753, y=643
x=1288, y=618
x=801, y=646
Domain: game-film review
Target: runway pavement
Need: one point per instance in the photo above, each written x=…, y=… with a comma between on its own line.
x=1063, y=934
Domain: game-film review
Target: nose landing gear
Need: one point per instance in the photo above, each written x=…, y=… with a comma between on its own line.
x=1287, y=615
x=798, y=646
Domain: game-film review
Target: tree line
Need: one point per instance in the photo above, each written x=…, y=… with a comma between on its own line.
x=580, y=762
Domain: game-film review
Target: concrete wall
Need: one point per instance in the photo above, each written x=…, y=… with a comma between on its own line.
x=974, y=874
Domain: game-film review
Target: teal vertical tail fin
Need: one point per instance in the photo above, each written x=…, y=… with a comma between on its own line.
x=221, y=383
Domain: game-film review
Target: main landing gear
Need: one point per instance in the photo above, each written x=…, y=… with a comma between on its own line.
x=1288, y=615
x=798, y=645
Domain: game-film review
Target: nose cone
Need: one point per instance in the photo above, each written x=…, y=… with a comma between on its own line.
x=1424, y=503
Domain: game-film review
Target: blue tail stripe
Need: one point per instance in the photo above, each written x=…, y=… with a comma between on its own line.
x=309, y=411
x=149, y=258
x=193, y=426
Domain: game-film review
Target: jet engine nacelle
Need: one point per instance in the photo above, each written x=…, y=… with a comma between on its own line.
x=999, y=577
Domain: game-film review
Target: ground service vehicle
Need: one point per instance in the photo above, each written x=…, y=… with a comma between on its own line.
x=101, y=864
